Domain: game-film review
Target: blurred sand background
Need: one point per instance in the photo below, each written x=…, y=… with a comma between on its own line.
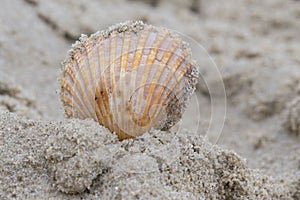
x=256, y=48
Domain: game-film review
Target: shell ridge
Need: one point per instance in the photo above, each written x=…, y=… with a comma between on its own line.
x=99, y=104
x=173, y=83
x=72, y=99
x=115, y=73
x=122, y=84
x=68, y=91
x=96, y=74
x=71, y=60
x=79, y=84
x=111, y=67
x=136, y=64
x=152, y=66
x=161, y=53
x=89, y=62
x=70, y=104
x=105, y=83
x=128, y=80
x=100, y=92
x=168, y=95
x=82, y=76
x=177, y=101
x=168, y=53
x=118, y=89
x=144, y=69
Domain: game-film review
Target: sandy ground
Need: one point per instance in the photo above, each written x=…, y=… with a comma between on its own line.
x=256, y=49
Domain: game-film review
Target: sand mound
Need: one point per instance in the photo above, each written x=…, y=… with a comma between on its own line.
x=80, y=156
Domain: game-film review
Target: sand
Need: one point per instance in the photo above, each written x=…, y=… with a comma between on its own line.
x=256, y=48
x=81, y=157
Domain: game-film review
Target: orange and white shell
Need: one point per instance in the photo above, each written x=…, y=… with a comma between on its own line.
x=130, y=78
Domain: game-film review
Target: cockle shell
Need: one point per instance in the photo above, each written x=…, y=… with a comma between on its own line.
x=130, y=78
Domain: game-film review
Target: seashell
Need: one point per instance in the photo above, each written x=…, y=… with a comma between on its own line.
x=130, y=78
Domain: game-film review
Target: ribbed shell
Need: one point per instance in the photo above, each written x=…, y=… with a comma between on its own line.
x=130, y=78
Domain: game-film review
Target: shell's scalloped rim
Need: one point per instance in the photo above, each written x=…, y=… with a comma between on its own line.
x=78, y=46
x=127, y=26
x=132, y=26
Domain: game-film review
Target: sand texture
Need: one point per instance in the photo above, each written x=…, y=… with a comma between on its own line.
x=79, y=156
x=256, y=49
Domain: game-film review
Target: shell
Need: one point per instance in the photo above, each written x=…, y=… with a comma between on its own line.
x=130, y=78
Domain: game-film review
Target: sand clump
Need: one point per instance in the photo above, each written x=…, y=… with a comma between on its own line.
x=77, y=156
